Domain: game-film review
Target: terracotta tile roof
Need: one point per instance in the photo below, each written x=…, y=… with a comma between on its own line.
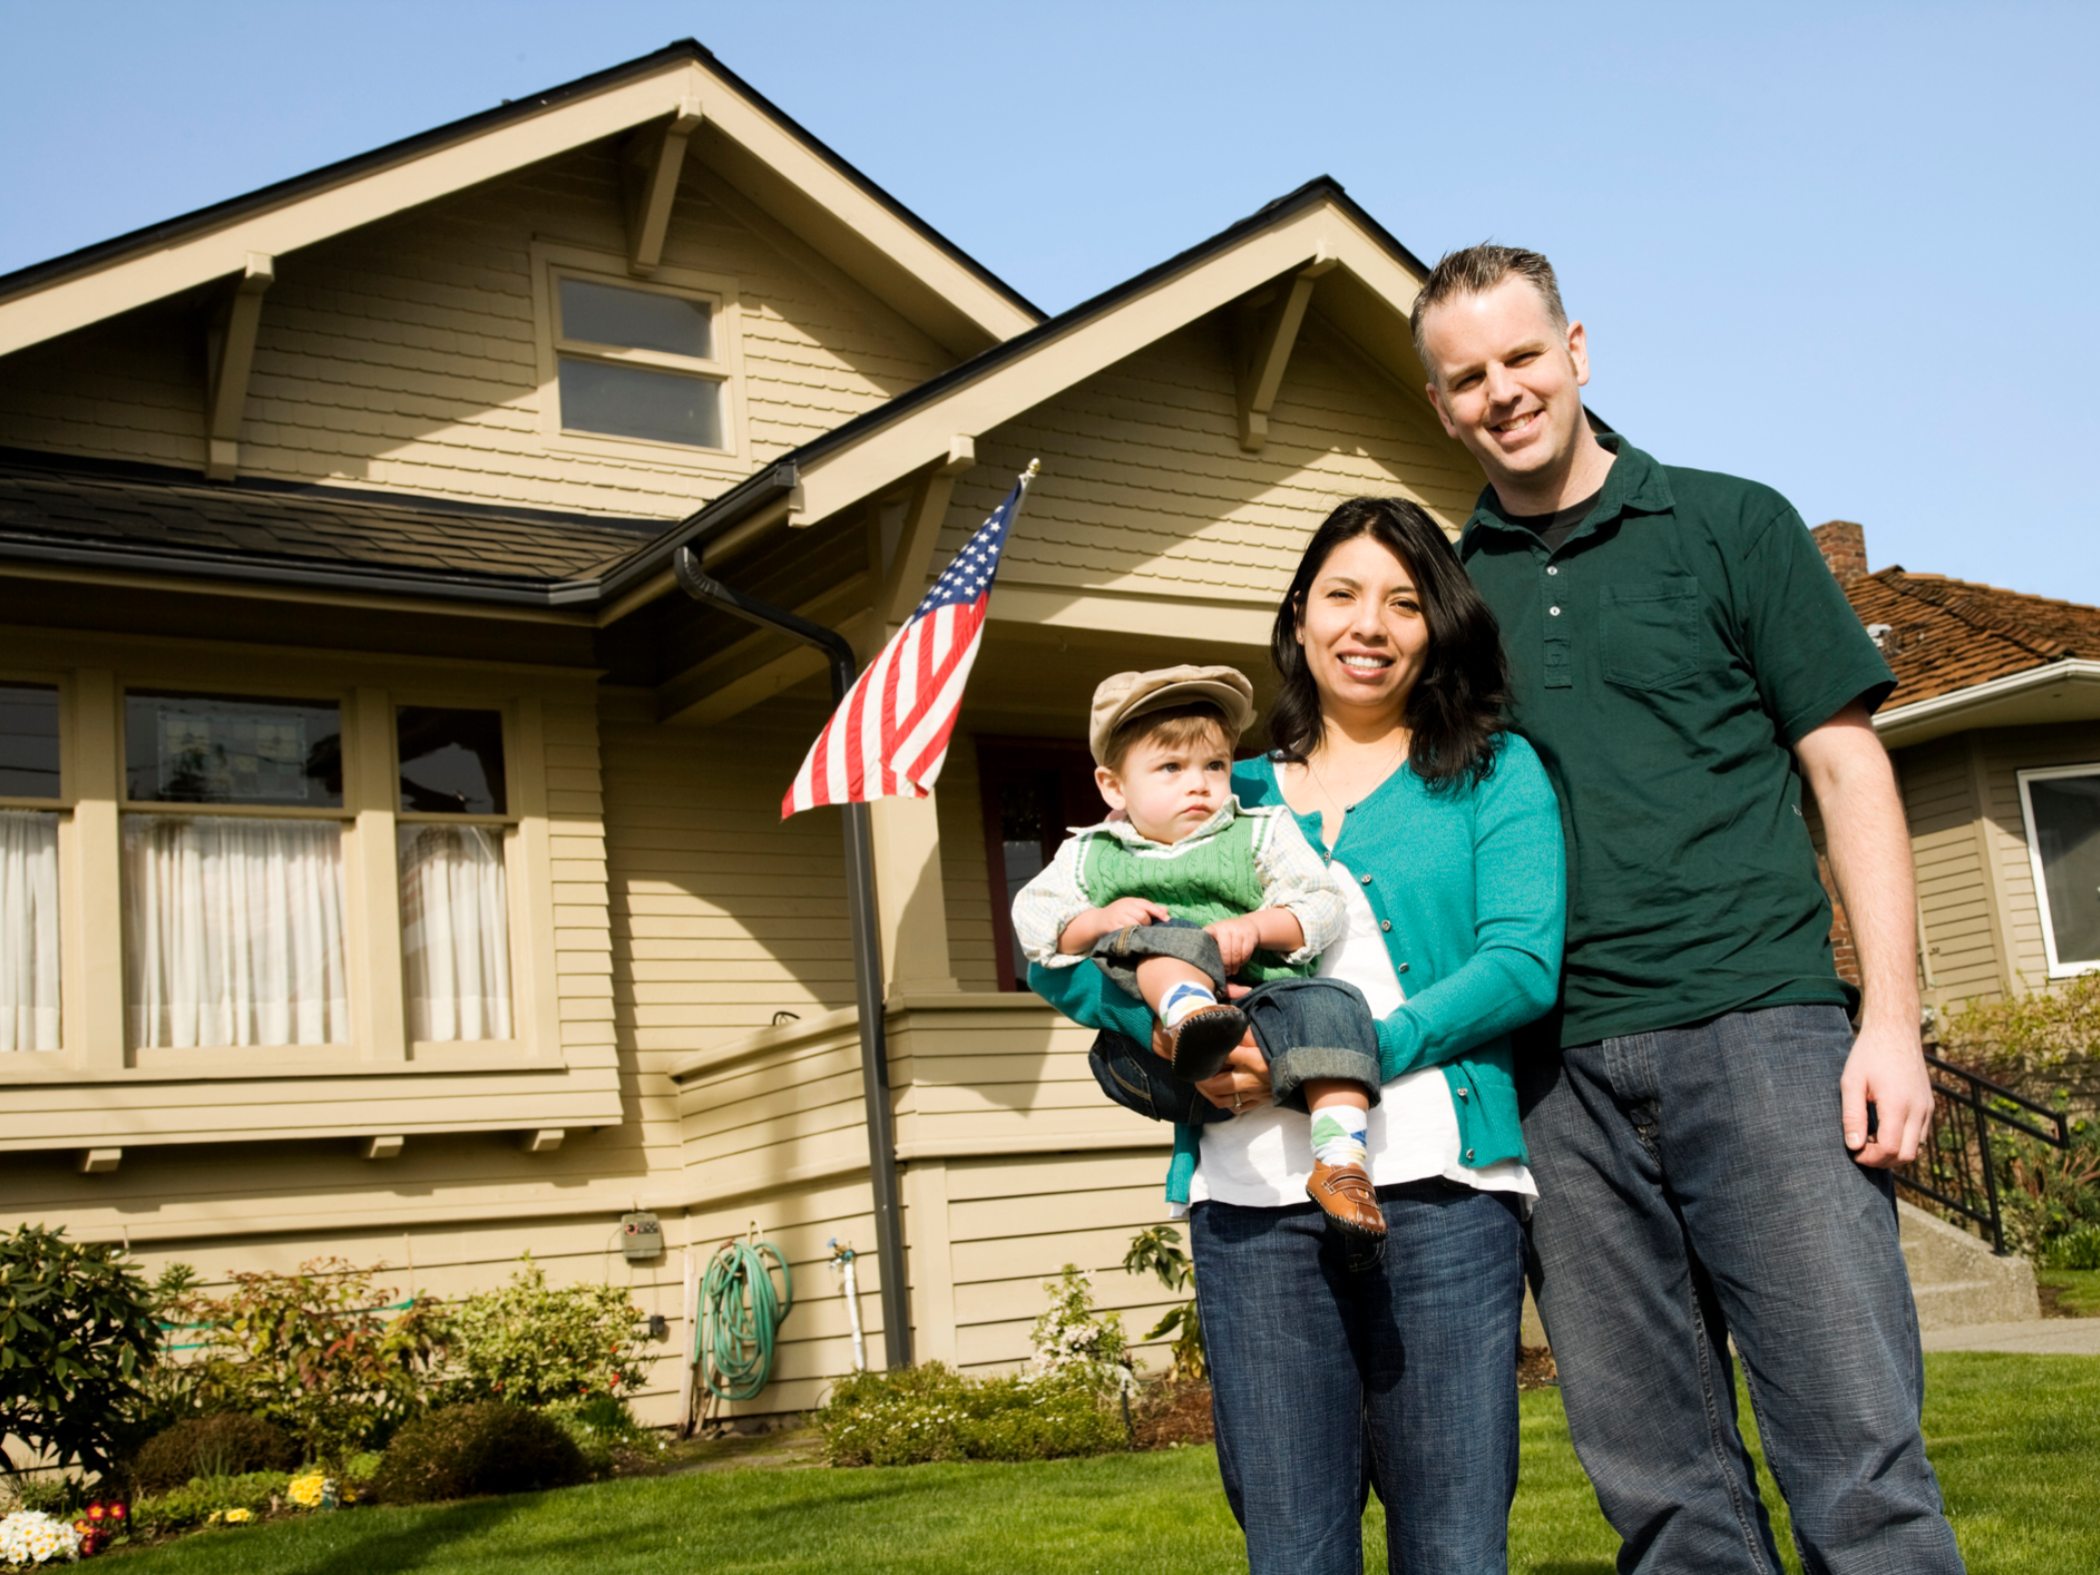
x=1947, y=634
x=50, y=505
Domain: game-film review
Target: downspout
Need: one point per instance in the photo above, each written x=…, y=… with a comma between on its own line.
x=867, y=955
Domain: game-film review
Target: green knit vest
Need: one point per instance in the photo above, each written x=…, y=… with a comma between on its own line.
x=1200, y=882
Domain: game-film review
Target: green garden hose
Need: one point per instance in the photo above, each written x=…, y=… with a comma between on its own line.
x=740, y=1312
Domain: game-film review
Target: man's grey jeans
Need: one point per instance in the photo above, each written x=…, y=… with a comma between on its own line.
x=1694, y=1186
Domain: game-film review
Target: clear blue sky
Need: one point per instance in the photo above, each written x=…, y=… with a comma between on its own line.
x=1845, y=248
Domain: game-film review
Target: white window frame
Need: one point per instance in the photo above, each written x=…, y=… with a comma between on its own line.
x=551, y=264
x=94, y=1038
x=2058, y=969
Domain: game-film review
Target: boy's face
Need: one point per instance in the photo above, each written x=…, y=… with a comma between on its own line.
x=1168, y=790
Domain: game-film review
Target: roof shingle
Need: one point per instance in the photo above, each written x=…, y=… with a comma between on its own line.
x=1946, y=634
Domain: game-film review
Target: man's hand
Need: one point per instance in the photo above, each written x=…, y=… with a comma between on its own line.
x=1237, y=939
x=1886, y=1068
x=1078, y=936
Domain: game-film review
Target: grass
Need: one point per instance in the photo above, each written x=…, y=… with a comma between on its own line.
x=2077, y=1291
x=2014, y=1438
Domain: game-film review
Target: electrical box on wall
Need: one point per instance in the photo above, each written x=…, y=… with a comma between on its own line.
x=642, y=1237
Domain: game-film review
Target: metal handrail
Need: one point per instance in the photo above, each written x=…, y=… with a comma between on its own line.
x=1957, y=1169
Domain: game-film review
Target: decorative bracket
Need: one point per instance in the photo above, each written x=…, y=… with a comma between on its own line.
x=1266, y=344
x=388, y=1147
x=904, y=566
x=232, y=357
x=100, y=1161
x=656, y=158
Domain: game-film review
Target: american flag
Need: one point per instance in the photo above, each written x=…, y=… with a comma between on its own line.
x=889, y=736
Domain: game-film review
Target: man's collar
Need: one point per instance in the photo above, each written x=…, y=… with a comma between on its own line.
x=1127, y=834
x=1635, y=484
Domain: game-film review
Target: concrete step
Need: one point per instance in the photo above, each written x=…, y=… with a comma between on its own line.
x=1958, y=1280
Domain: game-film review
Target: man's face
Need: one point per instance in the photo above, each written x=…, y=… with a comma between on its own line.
x=1506, y=382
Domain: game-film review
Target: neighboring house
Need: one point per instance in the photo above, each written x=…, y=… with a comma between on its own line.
x=390, y=858
x=1995, y=731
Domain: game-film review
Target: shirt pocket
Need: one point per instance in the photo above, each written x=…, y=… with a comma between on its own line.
x=1650, y=632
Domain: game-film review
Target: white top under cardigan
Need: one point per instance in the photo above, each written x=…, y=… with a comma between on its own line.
x=1261, y=1158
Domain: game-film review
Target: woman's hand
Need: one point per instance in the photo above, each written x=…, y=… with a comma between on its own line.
x=1243, y=1085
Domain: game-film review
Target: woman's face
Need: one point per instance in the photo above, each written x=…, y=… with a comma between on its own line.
x=1362, y=629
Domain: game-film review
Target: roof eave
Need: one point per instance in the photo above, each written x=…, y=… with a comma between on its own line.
x=2067, y=690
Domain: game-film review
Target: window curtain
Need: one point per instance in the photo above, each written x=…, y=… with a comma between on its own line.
x=455, y=933
x=28, y=930
x=234, y=931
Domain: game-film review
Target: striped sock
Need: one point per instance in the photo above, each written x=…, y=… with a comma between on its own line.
x=1339, y=1134
x=1183, y=999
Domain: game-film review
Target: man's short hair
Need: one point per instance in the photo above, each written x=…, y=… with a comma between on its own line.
x=1476, y=269
x=1176, y=727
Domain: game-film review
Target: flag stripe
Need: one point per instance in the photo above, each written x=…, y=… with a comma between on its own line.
x=889, y=736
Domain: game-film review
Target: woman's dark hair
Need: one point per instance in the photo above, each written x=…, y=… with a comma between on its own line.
x=1458, y=701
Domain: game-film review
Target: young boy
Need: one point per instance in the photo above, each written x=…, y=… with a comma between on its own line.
x=1186, y=888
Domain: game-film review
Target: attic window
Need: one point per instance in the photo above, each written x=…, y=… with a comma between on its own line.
x=639, y=363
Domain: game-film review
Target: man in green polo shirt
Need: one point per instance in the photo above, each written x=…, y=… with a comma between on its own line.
x=1710, y=1138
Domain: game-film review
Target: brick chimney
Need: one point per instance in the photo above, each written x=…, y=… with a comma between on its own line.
x=1844, y=547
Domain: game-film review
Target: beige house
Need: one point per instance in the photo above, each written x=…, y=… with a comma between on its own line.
x=390, y=852
x=1995, y=732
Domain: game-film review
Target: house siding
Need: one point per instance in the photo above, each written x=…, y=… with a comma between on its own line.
x=1146, y=491
x=405, y=356
x=2006, y=753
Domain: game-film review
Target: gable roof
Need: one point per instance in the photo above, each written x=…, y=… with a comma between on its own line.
x=860, y=226
x=1316, y=227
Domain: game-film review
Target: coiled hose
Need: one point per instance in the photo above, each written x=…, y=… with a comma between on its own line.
x=740, y=1312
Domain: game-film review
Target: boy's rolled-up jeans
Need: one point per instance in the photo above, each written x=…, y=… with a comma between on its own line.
x=1304, y=1028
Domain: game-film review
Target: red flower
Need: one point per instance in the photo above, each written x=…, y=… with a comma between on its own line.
x=95, y=1512
x=116, y=1512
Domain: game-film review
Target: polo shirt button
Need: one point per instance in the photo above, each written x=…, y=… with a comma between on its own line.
x=1385, y=924
x=1367, y=880
x=1554, y=610
x=1553, y=568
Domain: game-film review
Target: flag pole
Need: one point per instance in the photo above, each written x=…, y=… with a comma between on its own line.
x=867, y=959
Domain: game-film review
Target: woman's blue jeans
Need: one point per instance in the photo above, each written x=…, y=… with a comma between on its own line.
x=1330, y=1377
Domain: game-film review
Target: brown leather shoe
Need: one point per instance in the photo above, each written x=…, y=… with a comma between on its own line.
x=1346, y=1196
x=1199, y=1044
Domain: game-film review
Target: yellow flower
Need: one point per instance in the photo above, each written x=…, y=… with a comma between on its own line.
x=306, y=1491
x=239, y=1517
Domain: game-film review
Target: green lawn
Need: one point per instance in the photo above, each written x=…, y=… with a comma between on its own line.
x=2015, y=1438
x=2077, y=1290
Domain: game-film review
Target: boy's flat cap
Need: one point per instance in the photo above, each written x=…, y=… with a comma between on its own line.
x=1127, y=695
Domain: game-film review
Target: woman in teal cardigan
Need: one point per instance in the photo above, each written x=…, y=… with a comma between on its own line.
x=1330, y=1370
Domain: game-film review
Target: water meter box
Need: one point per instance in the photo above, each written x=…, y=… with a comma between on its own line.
x=642, y=1238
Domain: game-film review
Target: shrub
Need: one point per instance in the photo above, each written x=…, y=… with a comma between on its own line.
x=1158, y=1248
x=198, y=1503
x=1072, y=1340
x=77, y=1334
x=602, y=1428
x=228, y=1444
x=2050, y=1197
x=535, y=1344
x=2042, y=1038
x=465, y=1450
x=934, y=1413
x=315, y=1353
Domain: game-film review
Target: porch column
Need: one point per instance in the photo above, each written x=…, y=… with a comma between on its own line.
x=914, y=909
